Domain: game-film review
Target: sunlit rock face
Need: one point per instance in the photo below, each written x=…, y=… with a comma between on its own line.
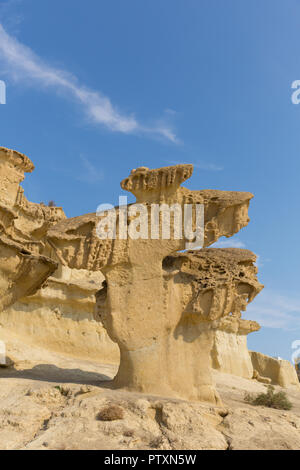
x=21, y=220
x=160, y=325
x=215, y=287
x=77, y=243
x=60, y=316
x=230, y=352
x=171, y=317
x=278, y=371
x=200, y=327
x=41, y=298
x=24, y=266
x=21, y=272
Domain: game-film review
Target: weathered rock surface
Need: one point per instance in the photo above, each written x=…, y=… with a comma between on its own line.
x=23, y=266
x=22, y=221
x=60, y=316
x=223, y=282
x=57, y=313
x=151, y=331
x=49, y=401
x=176, y=319
x=280, y=371
x=21, y=272
x=77, y=243
x=230, y=352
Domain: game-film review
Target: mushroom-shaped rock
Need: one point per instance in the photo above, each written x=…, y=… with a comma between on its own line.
x=162, y=351
x=166, y=337
x=77, y=242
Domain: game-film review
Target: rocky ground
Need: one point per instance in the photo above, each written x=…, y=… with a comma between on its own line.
x=49, y=401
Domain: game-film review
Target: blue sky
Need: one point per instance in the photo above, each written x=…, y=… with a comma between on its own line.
x=97, y=88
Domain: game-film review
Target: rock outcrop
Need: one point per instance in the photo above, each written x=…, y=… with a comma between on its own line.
x=22, y=221
x=278, y=371
x=160, y=346
x=217, y=285
x=58, y=313
x=173, y=317
x=230, y=351
x=23, y=266
x=53, y=402
x=21, y=272
x=60, y=316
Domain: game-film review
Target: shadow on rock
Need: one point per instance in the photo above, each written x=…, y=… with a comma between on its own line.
x=52, y=373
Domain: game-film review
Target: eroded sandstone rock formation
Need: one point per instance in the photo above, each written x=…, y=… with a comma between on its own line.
x=21, y=272
x=215, y=286
x=278, y=371
x=57, y=314
x=230, y=352
x=173, y=316
x=165, y=341
x=23, y=225
x=60, y=316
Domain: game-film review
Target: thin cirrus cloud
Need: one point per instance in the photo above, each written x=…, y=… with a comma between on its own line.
x=20, y=62
x=274, y=310
x=90, y=174
x=228, y=244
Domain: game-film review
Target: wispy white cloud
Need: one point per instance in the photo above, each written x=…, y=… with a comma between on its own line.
x=234, y=243
x=208, y=166
x=259, y=263
x=200, y=165
x=20, y=62
x=274, y=310
x=170, y=111
x=89, y=174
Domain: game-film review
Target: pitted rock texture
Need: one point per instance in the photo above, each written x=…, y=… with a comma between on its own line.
x=223, y=280
x=24, y=264
x=77, y=243
x=192, y=313
x=153, y=331
x=23, y=221
x=57, y=313
x=218, y=285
